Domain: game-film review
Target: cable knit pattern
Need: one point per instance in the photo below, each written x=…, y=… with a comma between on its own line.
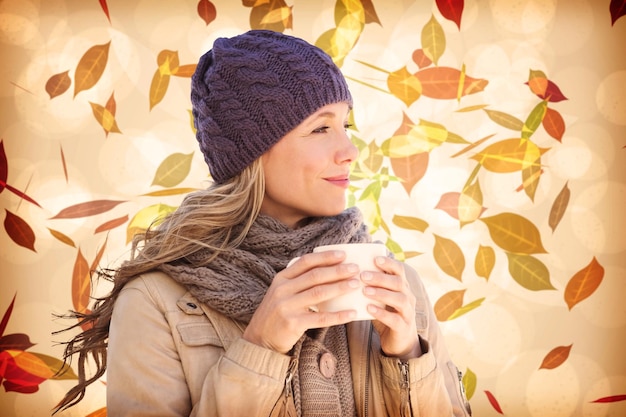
x=251, y=90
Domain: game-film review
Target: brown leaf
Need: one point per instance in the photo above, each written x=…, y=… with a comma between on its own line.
x=58, y=84
x=6, y=316
x=81, y=283
x=433, y=39
x=556, y=357
x=206, y=10
x=448, y=303
x=584, y=283
x=617, y=9
x=63, y=163
x=370, y=12
x=86, y=209
x=19, y=231
x=4, y=167
x=559, y=206
x=111, y=224
x=90, y=67
x=15, y=341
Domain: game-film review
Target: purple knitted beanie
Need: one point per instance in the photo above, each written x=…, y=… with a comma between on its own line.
x=252, y=89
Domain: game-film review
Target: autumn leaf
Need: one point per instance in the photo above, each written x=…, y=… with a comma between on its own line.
x=448, y=83
x=529, y=272
x=610, y=399
x=559, y=206
x=448, y=303
x=90, y=208
x=101, y=412
x=105, y=116
x=16, y=379
x=371, y=157
x=173, y=170
x=370, y=12
x=494, y=403
x=420, y=58
x=111, y=224
x=58, y=84
x=61, y=237
x=81, y=283
x=404, y=85
x=433, y=39
x=617, y=9
x=105, y=9
x=31, y=363
x=15, y=341
x=90, y=67
x=4, y=174
x=530, y=179
x=466, y=308
x=485, y=261
x=451, y=10
x=280, y=15
x=584, y=283
x=410, y=223
x=170, y=191
x=470, y=205
x=5, y=319
x=554, y=124
x=207, y=11
x=469, y=382
x=505, y=120
x=543, y=88
x=556, y=357
x=19, y=231
x=449, y=257
x=534, y=119
x=185, y=71
x=260, y=11
x=509, y=155
x=63, y=163
x=514, y=233
x=145, y=218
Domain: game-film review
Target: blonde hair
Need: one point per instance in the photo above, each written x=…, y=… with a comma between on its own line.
x=217, y=218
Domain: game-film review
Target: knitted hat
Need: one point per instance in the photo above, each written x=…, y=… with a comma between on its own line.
x=252, y=89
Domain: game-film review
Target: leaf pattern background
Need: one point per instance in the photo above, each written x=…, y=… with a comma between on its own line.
x=489, y=135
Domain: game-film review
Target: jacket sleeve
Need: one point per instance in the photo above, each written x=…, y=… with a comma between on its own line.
x=430, y=384
x=148, y=375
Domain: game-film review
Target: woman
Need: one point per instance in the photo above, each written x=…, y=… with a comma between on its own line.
x=209, y=320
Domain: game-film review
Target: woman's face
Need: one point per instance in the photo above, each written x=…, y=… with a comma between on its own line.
x=307, y=171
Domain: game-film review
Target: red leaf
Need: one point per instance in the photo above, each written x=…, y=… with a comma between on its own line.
x=16, y=378
x=451, y=10
x=552, y=93
x=4, y=167
x=493, y=402
x=7, y=316
x=105, y=9
x=206, y=10
x=15, y=341
x=554, y=124
x=618, y=9
x=611, y=399
x=19, y=231
x=89, y=208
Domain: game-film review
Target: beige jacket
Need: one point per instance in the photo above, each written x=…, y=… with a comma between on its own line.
x=170, y=355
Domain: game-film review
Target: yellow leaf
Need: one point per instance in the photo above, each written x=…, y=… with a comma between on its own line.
x=534, y=119
x=466, y=308
x=470, y=203
x=529, y=272
x=530, y=176
x=514, y=233
x=168, y=62
x=173, y=170
x=433, y=40
x=158, y=88
x=448, y=303
x=81, y=283
x=410, y=223
x=485, y=261
x=105, y=118
x=509, y=155
x=62, y=237
x=170, y=191
x=449, y=257
x=404, y=85
x=505, y=119
x=147, y=217
x=469, y=382
x=278, y=15
x=90, y=67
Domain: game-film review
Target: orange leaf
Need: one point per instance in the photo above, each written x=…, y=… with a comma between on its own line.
x=111, y=224
x=90, y=67
x=62, y=237
x=102, y=412
x=111, y=106
x=185, y=70
x=584, y=283
x=63, y=163
x=98, y=258
x=556, y=357
x=554, y=124
x=448, y=83
x=410, y=169
x=449, y=202
x=81, y=283
x=448, y=304
x=32, y=364
x=19, y=231
x=449, y=257
x=206, y=10
x=58, y=84
x=404, y=85
x=89, y=208
x=420, y=58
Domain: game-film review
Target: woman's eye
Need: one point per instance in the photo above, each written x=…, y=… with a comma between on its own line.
x=347, y=126
x=322, y=129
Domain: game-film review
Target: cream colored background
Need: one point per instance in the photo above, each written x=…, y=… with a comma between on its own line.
x=504, y=340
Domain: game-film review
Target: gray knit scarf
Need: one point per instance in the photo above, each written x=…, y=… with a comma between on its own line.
x=236, y=281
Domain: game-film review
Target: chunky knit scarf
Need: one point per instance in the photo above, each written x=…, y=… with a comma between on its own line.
x=236, y=281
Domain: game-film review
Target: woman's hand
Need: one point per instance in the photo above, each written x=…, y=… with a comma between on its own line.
x=396, y=323
x=284, y=315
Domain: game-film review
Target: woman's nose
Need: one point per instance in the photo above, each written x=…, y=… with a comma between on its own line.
x=348, y=152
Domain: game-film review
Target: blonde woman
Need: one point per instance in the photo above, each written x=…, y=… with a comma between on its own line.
x=208, y=319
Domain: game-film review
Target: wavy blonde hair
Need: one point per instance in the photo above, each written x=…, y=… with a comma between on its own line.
x=217, y=218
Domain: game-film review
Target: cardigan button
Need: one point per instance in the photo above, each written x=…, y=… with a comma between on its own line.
x=192, y=305
x=328, y=364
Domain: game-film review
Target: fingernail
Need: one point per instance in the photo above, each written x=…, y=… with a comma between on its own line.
x=380, y=260
x=352, y=268
x=369, y=291
x=366, y=276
